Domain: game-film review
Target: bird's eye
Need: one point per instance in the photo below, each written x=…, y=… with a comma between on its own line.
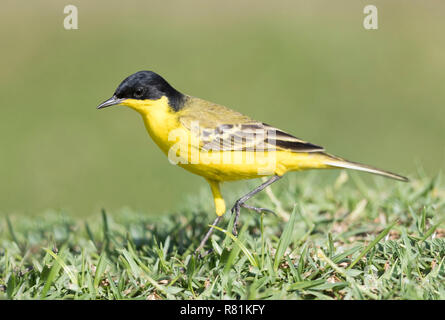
x=139, y=92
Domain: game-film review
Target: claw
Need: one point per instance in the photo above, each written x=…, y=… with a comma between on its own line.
x=236, y=210
x=240, y=202
x=259, y=210
x=202, y=255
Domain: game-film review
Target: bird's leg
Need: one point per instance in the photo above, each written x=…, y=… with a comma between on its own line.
x=241, y=202
x=207, y=236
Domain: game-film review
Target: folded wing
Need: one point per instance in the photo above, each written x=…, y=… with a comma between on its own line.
x=219, y=128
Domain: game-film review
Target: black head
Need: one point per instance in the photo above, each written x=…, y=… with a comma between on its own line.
x=146, y=85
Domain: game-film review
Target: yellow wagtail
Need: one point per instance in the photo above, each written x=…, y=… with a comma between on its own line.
x=218, y=143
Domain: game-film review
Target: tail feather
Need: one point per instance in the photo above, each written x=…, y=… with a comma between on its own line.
x=336, y=162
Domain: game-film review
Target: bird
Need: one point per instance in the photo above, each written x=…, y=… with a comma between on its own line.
x=221, y=144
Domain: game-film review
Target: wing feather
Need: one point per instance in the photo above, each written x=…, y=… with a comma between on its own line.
x=222, y=129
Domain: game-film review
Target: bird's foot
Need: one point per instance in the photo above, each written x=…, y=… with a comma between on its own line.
x=257, y=209
x=236, y=210
x=202, y=255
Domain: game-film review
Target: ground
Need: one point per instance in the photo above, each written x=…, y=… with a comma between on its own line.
x=348, y=239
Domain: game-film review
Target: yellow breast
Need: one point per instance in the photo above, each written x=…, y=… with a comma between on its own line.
x=159, y=119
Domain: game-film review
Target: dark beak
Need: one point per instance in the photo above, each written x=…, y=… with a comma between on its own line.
x=110, y=102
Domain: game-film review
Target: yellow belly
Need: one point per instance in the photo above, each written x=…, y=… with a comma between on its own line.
x=253, y=165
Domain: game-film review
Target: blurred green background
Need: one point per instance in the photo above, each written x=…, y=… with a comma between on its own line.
x=308, y=67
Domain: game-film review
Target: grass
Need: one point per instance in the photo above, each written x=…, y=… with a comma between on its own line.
x=342, y=240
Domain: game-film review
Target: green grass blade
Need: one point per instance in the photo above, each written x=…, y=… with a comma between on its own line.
x=360, y=289
x=136, y=271
x=67, y=270
x=372, y=244
x=430, y=231
x=100, y=269
x=285, y=239
x=249, y=255
x=11, y=231
x=50, y=279
x=305, y=284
